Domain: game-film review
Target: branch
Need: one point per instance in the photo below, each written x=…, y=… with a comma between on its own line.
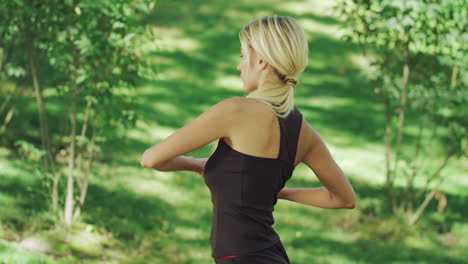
x=423, y=206
x=434, y=176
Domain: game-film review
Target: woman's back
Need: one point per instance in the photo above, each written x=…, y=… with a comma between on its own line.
x=257, y=132
x=245, y=183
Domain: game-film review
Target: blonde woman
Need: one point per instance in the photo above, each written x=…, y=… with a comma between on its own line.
x=261, y=137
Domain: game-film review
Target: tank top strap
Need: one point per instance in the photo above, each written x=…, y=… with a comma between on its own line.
x=289, y=130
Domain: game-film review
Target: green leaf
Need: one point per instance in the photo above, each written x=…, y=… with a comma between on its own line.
x=80, y=79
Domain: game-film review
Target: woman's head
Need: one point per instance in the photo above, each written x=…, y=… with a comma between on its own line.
x=274, y=51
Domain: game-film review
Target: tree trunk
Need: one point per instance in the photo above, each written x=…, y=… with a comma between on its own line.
x=402, y=111
x=388, y=149
x=402, y=108
x=5, y=103
x=453, y=80
x=69, y=199
x=410, y=184
x=49, y=160
x=466, y=143
x=8, y=117
x=80, y=151
x=1, y=58
x=84, y=188
x=39, y=101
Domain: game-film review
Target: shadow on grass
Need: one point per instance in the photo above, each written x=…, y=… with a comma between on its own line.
x=147, y=225
x=366, y=251
x=129, y=216
x=21, y=201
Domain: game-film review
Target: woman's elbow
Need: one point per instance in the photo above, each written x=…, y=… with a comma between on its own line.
x=146, y=161
x=350, y=205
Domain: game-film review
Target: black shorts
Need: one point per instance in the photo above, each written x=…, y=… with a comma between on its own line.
x=275, y=254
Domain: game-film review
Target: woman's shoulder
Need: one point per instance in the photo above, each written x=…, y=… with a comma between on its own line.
x=243, y=105
x=250, y=107
x=228, y=105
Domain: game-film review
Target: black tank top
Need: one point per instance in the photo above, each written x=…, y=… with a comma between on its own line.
x=244, y=190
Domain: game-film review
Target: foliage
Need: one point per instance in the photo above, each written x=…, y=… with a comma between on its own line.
x=84, y=45
x=417, y=63
x=29, y=150
x=83, y=53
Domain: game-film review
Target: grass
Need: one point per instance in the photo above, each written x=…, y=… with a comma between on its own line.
x=135, y=215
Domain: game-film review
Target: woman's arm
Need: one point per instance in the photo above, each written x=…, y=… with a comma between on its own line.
x=318, y=197
x=179, y=163
x=336, y=188
x=184, y=163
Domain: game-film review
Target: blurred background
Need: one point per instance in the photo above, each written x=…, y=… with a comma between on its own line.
x=86, y=86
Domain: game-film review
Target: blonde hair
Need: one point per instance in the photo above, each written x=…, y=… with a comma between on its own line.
x=282, y=43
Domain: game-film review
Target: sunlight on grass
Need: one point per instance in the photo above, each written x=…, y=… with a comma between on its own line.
x=189, y=233
x=170, y=74
x=368, y=163
x=336, y=234
x=11, y=254
x=454, y=178
x=88, y=243
x=151, y=89
x=311, y=27
x=9, y=205
x=166, y=107
x=359, y=61
x=173, y=40
x=313, y=64
x=340, y=259
x=156, y=133
x=361, y=163
x=7, y=170
x=198, y=254
x=325, y=101
x=157, y=187
x=330, y=78
x=307, y=7
x=229, y=82
x=234, y=14
x=417, y=242
x=141, y=132
x=462, y=231
x=4, y=152
x=286, y=214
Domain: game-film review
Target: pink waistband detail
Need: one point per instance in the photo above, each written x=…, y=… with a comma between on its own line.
x=228, y=256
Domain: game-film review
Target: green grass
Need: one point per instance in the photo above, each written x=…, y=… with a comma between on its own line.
x=135, y=215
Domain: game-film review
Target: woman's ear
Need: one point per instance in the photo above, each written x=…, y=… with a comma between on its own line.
x=262, y=64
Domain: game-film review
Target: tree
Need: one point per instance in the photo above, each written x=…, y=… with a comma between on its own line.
x=417, y=66
x=85, y=52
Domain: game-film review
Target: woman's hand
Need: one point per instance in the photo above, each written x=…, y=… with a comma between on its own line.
x=200, y=167
x=282, y=193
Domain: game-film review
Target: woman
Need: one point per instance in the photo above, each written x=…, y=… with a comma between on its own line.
x=261, y=139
